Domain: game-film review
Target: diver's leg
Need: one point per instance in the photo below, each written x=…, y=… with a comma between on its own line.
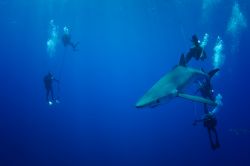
x=216, y=138
x=47, y=95
x=210, y=138
x=52, y=94
x=74, y=45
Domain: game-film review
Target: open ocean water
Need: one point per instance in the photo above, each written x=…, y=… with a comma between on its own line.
x=124, y=47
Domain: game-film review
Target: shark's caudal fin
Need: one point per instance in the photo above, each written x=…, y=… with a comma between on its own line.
x=197, y=99
x=213, y=72
x=182, y=61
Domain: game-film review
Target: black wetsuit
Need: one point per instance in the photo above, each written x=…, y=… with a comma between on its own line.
x=196, y=52
x=48, y=81
x=210, y=123
x=206, y=92
x=66, y=39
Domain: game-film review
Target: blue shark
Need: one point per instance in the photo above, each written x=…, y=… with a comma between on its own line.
x=172, y=85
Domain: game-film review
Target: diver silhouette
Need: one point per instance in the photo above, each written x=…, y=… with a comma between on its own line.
x=66, y=39
x=48, y=83
x=206, y=88
x=210, y=122
x=196, y=51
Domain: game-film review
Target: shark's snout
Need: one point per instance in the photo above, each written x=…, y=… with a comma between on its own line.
x=140, y=104
x=145, y=102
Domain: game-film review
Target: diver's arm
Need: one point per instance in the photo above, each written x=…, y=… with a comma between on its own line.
x=203, y=54
x=197, y=121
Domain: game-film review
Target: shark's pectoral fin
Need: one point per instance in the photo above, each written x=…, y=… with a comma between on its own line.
x=197, y=99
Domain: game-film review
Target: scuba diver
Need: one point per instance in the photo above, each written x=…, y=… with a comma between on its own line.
x=66, y=39
x=196, y=51
x=206, y=89
x=210, y=122
x=48, y=82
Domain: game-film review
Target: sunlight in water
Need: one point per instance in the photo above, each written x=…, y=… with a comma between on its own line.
x=204, y=40
x=218, y=100
x=53, y=39
x=207, y=8
x=218, y=58
x=236, y=24
x=237, y=21
x=207, y=4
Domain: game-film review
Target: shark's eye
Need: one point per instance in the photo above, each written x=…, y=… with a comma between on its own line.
x=158, y=101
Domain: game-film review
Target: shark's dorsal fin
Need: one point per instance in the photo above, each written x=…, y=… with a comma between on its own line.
x=182, y=61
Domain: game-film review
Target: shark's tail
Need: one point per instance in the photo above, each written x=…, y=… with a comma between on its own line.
x=213, y=72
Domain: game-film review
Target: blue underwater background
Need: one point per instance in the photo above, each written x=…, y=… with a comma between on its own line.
x=125, y=46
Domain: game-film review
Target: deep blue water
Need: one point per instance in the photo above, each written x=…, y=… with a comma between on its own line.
x=125, y=47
